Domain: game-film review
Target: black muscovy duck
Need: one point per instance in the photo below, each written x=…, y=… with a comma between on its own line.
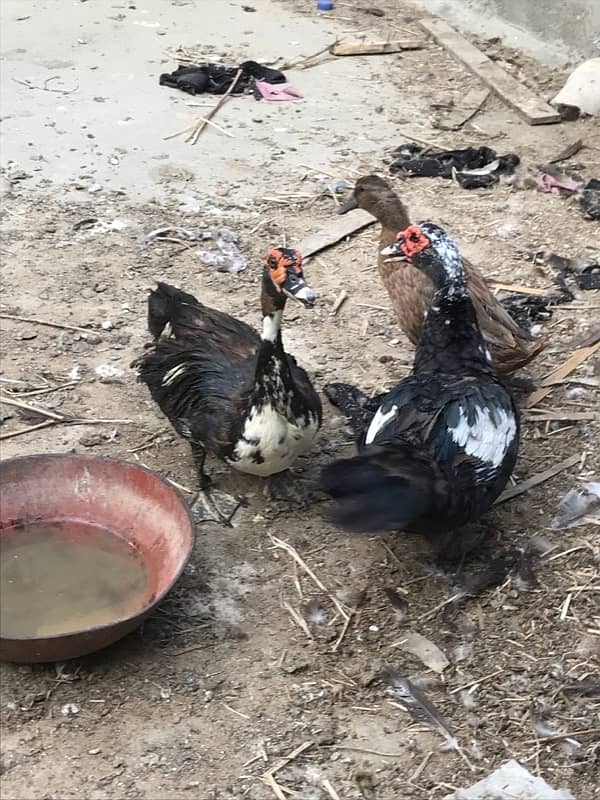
x=442, y=444
x=225, y=388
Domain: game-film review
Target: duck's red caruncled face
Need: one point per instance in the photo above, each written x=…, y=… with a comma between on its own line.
x=280, y=260
x=412, y=241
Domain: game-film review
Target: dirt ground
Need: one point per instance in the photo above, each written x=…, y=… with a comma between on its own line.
x=221, y=683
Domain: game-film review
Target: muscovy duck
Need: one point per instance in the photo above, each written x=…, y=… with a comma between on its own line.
x=226, y=389
x=443, y=443
x=410, y=291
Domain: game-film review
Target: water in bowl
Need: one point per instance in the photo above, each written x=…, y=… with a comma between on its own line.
x=56, y=579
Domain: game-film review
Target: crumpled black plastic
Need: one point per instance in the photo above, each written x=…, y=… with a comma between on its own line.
x=589, y=199
x=217, y=78
x=475, y=167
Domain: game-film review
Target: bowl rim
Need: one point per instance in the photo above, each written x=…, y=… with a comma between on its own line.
x=145, y=609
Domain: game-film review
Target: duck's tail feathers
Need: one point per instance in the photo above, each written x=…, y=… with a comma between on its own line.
x=387, y=489
x=169, y=305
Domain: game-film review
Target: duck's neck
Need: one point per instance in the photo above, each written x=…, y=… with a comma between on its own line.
x=389, y=211
x=273, y=379
x=451, y=340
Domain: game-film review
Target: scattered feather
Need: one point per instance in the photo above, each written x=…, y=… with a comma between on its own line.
x=494, y=574
x=576, y=505
x=418, y=705
x=399, y=604
x=425, y=650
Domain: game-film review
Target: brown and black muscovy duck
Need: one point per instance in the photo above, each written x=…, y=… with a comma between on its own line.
x=442, y=444
x=410, y=291
x=226, y=389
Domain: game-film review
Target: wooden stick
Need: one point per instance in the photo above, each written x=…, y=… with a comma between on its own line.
x=560, y=372
x=535, y=480
x=48, y=390
x=339, y=302
x=193, y=138
x=426, y=142
x=286, y=760
x=43, y=412
x=37, y=427
x=36, y=321
x=514, y=93
x=518, y=289
x=375, y=48
x=218, y=127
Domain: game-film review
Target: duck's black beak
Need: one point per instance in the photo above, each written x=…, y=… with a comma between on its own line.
x=349, y=205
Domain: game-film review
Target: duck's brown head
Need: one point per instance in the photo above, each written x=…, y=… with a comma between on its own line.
x=375, y=195
x=284, y=277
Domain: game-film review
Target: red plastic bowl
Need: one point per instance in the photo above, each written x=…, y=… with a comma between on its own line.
x=125, y=500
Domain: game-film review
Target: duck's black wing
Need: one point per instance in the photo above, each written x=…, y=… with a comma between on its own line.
x=437, y=453
x=191, y=321
x=304, y=397
x=204, y=396
x=201, y=373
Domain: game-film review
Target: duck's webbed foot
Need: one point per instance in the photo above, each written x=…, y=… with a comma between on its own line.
x=288, y=487
x=208, y=504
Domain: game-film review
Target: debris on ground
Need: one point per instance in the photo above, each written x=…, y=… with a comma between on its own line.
x=583, y=272
x=581, y=92
x=218, y=79
x=558, y=183
x=269, y=91
x=228, y=258
x=375, y=48
x=511, y=781
x=473, y=167
x=169, y=232
x=577, y=506
x=589, y=200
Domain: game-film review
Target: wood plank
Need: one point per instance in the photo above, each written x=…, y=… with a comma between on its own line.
x=336, y=230
x=560, y=372
x=375, y=48
x=516, y=94
x=536, y=480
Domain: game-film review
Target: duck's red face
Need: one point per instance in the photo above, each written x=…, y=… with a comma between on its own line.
x=412, y=240
x=281, y=259
x=285, y=270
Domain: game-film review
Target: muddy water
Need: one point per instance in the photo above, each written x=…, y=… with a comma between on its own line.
x=51, y=583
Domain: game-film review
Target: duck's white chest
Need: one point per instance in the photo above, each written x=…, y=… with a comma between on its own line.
x=270, y=443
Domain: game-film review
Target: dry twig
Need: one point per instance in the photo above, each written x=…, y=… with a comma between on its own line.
x=36, y=321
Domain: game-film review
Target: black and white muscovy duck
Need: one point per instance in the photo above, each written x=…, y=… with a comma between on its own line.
x=225, y=388
x=442, y=444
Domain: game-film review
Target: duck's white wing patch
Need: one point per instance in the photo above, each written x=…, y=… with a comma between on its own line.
x=379, y=421
x=485, y=438
x=173, y=374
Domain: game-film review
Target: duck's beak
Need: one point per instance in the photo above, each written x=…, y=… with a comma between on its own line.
x=305, y=295
x=349, y=205
x=393, y=253
x=296, y=288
